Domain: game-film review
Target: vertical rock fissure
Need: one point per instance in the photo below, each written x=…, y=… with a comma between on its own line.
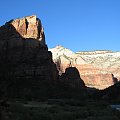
x=26, y=24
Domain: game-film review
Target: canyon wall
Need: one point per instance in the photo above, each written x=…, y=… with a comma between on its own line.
x=27, y=69
x=98, y=69
x=24, y=56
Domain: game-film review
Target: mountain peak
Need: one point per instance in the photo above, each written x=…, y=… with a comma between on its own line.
x=60, y=50
x=59, y=46
x=29, y=27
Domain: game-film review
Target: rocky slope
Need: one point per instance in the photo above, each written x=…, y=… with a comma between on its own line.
x=99, y=69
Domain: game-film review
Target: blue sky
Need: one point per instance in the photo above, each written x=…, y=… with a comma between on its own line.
x=80, y=25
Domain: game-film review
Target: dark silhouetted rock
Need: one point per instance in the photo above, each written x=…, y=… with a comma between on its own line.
x=72, y=78
x=24, y=57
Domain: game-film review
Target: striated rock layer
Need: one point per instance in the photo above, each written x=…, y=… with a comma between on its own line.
x=99, y=69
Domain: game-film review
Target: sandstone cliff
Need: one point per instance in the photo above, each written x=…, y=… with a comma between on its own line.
x=29, y=27
x=98, y=69
x=24, y=56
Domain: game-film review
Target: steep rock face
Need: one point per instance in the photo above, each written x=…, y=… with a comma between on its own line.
x=24, y=56
x=100, y=81
x=97, y=68
x=30, y=27
x=72, y=77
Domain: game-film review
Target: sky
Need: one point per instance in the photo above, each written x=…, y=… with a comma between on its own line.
x=80, y=25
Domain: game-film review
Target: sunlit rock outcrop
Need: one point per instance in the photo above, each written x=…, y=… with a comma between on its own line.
x=30, y=27
x=98, y=69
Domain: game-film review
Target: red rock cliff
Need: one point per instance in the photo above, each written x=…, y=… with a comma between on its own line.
x=96, y=68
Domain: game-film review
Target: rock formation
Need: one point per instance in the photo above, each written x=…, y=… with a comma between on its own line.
x=72, y=78
x=97, y=68
x=26, y=65
x=24, y=55
x=111, y=93
x=30, y=27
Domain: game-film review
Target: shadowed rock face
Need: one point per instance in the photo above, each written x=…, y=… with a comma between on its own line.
x=111, y=93
x=26, y=65
x=24, y=56
x=72, y=78
x=97, y=68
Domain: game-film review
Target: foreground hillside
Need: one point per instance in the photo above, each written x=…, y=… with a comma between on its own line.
x=99, y=69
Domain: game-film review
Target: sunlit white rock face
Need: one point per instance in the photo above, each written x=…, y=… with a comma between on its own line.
x=60, y=51
x=96, y=67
